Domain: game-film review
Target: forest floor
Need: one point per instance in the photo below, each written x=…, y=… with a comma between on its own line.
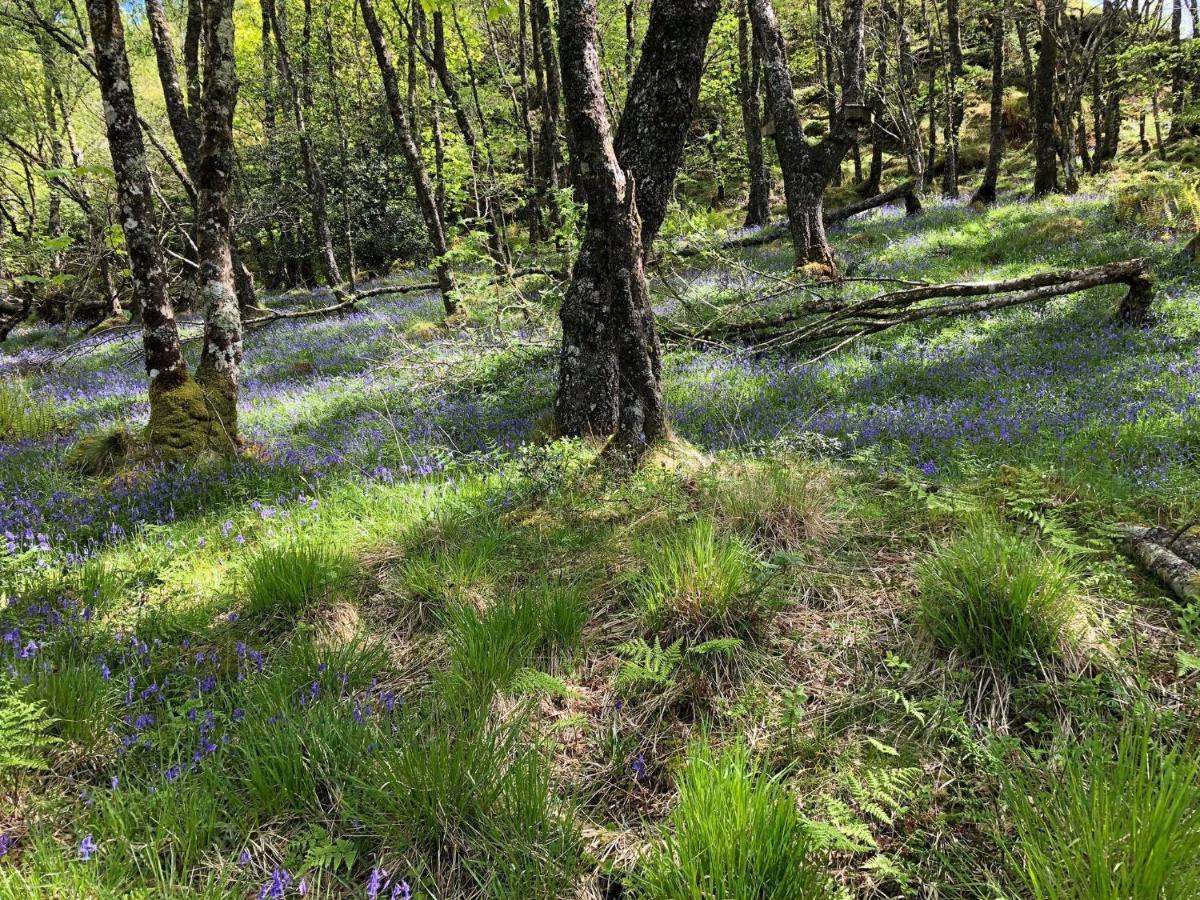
x=405, y=643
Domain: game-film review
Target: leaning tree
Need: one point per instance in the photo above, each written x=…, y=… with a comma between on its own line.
x=610, y=368
x=808, y=167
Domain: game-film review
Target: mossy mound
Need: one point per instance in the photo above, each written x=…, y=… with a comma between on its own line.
x=423, y=332
x=101, y=454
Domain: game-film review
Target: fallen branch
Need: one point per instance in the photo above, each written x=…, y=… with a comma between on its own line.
x=833, y=321
x=779, y=228
x=1180, y=574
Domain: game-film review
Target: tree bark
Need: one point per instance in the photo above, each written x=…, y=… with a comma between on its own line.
x=808, y=169
x=758, y=211
x=986, y=194
x=954, y=98
x=608, y=367
x=416, y=166
x=221, y=356
x=619, y=295
x=1045, y=178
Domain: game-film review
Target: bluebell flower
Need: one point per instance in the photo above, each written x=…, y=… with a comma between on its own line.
x=86, y=848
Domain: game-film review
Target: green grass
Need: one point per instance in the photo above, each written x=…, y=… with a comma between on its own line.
x=282, y=580
x=996, y=599
x=695, y=580
x=1110, y=823
x=735, y=834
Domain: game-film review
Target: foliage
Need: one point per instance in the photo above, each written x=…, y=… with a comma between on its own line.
x=23, y=416
x=24, y=730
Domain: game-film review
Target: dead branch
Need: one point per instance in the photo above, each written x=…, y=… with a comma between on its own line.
x=831, y=321
x=1180, y=574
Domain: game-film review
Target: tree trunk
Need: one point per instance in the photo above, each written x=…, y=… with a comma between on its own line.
x=986, y=194
x=609, y=364
x=221, y=356
x=954, y=98
x=619, y=296
x=416, y=166
x=1043, y=101
x=180, y=421
x=808, y=169
x=549, y=159
x=313, y=176
x=758, y=211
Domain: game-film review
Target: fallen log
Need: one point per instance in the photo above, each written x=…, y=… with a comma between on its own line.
x=906, y=192
x=837, y=322
x=1169, y=566
x=779, y=228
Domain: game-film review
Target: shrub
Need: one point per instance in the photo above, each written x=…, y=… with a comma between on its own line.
x=1110, y=826
x=22, y=416
x=284, y=579
x=996, y=599
x=696, y=578
x=734, y=835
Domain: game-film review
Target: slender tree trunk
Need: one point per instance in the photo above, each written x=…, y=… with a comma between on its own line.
x=986, y=194
x=1178, y=74
x=313, y=176
x=608, y=368
x=1044, y=102
x=758, y=210
x=416, y=166
x=335, y=104
x=221, y=356
x=954, y=98
x=549, y=158
x=179, y=415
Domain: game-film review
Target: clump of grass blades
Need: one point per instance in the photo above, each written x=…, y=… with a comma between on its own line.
x=284, y=579
x=473, y=800
x=779, y=506
x=735, y=835
x=487, y=648
x=696, y=579
x=22, y=416
x=1110, y=826
x=996, y=599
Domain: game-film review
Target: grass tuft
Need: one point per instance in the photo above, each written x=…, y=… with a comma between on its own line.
x=996, y=599
x=284, y=579
x=1109, y=826
x=734, y=835
x=696, y=580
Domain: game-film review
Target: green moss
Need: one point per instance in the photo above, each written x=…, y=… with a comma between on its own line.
x=100, y=454
x=185, y=422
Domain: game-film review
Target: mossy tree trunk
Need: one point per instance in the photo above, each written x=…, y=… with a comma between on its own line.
x=1045, y=178
x=608, y=366
x=180, y=420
